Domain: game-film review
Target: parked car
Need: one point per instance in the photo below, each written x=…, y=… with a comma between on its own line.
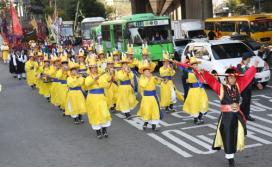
x=218, y=55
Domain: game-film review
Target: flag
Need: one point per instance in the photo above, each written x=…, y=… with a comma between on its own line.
x=16, y=26
x=34, y=23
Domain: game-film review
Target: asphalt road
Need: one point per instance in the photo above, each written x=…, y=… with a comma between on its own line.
x=34, y=133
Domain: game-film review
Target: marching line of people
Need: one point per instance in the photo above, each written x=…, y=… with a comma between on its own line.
x=96, y=85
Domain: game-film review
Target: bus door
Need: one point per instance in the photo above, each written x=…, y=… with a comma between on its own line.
x=118, y=37
x=106, y=38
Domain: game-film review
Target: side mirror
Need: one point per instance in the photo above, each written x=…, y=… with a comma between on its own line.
x=172, y=32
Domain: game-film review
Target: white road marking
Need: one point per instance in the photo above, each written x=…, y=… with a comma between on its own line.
x=169, y=145
x=259, y=131
x=262, y=119
x=168, y=134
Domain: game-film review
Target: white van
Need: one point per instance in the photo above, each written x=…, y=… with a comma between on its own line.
x=218, y=55
x=188, y=28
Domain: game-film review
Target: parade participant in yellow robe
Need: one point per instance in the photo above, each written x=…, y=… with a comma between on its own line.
x=31, y=66
x=111, y=89
x=62, y=75
x=149, y=107
x=132, y=65
x=145, y=60
x=116, y=56
x=75, y=101
x=101, y=61
x=96, y=103
x=5, y=52
x=167, y=89
x=196, y=103
x=83, y=71
x=126, y=99
x=39, y=70
x=55, y=83
x=46, y=80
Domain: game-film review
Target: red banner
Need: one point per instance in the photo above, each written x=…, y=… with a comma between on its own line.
x=16, y=26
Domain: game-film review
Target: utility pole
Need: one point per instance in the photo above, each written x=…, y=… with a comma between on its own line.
x=76, y=15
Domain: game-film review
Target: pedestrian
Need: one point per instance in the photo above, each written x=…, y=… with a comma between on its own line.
x=75, y=101
x=246, y=94
x=167, y=89
x=22, y=59
x=196, y=103
x=13, y=59
x=231, y=127
x=96, y=103
x=149, y=108
x=126, y=99
x=211, y=35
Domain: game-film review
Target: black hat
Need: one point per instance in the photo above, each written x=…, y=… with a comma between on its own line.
x=246, y=55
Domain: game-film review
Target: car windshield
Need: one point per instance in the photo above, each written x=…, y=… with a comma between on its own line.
x=86, y=29
x=150, y=34
x=182, y=42
x=197, y=34
x=231, y=50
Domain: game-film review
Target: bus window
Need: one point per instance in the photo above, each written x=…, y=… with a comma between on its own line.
x=118, y=33
x=106, y=33
x=244, y=27
x=118, y=36
x=209, y=25
x=227, y=27
x=261, y=25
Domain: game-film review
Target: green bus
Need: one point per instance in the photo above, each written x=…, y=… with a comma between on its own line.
x=137, y=30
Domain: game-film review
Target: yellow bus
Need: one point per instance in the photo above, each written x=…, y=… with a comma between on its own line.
x=258, y=27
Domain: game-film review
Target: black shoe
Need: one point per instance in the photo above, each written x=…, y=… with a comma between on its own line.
x=98, y=134
x=76, y=121
x=104, y=132
x=171, y=108
x=231, y=162
x=48, y=99
x=145, y=125
x=200, y=118
x=127, y=115
x=154, y=127
x=197, y=121
x=249, y=118
x=80, y=119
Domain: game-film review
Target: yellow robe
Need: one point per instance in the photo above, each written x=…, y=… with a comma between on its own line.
x=5, y=53
x=31, y=67
x=45, y=86
x=126, y=99
x=38, y=76
x=75, y=101
x=96, y=104
x=196, y=100
x=167, y=87
x=110, y=91
x=54, y=86
x=149, y=108
x=62, y=91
